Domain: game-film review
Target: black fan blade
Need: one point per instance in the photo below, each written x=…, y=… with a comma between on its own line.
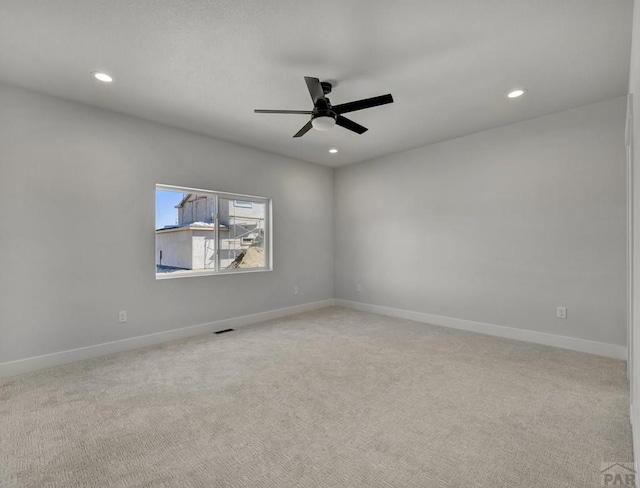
x=260, y=111
x=343, y=108
x=350, y=124
x=307, y=127
x=315, y=89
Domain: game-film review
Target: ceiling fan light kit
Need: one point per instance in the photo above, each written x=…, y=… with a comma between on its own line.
x=325, y=116
x=323, y=122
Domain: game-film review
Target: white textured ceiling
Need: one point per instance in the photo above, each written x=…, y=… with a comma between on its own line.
x=204, y=65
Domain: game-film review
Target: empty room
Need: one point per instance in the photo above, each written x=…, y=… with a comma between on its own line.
x=319, y=244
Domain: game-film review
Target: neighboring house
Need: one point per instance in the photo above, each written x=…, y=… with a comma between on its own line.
x=191, y=244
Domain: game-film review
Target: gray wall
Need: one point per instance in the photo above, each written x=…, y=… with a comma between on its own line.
x=498, y=227
x=77, y=230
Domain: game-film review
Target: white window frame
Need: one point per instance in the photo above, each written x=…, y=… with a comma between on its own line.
x=217, y=271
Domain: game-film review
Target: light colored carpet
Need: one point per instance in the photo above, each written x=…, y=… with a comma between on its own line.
x=332, y=398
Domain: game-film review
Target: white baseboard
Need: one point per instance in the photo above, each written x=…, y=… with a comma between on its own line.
x=57, y=358
x=564, y=342
x=63, y=357
x=635, y=437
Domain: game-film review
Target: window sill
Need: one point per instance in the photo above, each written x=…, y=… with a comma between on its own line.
x=194, y=274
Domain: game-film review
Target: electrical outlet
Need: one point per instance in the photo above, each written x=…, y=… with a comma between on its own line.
x=122, y=316
x=358, y=288
x=296, y=290
x=561, y=312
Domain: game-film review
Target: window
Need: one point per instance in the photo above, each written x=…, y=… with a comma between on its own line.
x=205, y=232
x=243, y=203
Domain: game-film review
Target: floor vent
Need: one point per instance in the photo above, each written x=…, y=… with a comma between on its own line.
x=223, y=331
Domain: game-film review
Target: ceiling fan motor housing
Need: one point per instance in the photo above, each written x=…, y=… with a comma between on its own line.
x=323, y=118
x=324, y=110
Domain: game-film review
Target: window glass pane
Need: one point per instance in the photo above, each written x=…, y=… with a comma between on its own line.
x=243, y=203
x=185, y=231
x=242, y=234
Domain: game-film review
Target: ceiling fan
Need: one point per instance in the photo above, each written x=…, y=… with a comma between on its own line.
x=324, y=115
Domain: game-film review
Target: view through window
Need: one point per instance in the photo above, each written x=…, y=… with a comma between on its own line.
x=201, y=231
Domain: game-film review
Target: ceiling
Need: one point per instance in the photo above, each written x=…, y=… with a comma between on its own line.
x=204, y=65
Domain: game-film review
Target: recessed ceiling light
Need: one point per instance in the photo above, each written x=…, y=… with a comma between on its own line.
x=516, y=93
x=104, y=77
x=333, y=151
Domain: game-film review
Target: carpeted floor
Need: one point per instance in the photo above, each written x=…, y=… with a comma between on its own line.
x=332, y=398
